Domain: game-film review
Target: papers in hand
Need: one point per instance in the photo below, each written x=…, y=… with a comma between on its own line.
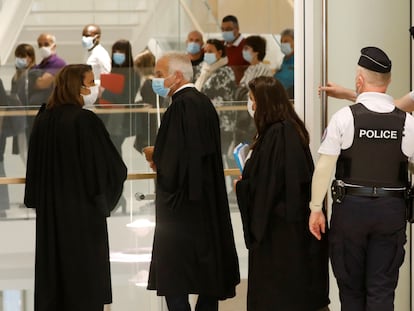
x=241, y=153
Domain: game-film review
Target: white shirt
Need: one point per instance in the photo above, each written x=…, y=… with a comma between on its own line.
x=339, y=134
x=100, y=61
x=237, y=41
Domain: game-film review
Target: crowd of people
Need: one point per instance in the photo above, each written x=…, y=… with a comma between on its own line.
x=75, y=175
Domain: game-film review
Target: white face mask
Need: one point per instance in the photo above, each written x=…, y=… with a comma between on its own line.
x=250, y=107
x=45, y=51
x=88, y=42
x=90, y=99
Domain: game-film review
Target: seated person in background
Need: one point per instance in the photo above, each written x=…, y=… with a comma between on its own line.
x=146, y=124
x=285, y=75
x=254, y=52
x=195, y=51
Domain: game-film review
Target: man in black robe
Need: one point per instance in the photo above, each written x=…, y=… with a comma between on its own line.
x=193, y=250
x=74, y=179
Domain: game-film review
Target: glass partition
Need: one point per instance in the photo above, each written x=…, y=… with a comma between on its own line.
x=152, y=27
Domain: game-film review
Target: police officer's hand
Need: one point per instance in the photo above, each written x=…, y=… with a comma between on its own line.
x=317, y=224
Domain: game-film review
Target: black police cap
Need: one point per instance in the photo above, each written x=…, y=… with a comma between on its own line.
x=374, y=59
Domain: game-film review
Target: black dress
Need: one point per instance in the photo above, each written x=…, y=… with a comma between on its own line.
x=288, y=267
x=74, y=178
x=193, y=250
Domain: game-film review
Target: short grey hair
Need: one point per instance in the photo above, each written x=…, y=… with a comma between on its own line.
x=178, y=61
x=288, y=33
x=374, y=78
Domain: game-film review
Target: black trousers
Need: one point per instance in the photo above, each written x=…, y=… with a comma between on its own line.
x=180, y=303
x=367, y=238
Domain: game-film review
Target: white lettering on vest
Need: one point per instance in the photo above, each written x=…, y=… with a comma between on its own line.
x=378, y=134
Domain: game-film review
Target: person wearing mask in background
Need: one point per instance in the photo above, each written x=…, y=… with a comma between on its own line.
x=15, y=126
x=194, y=48
x=74, y=178
x=288, y=267
x=217, y=81
x=121, y=125
x=19, y=96
x=286, y=73
x=254, y=52
x=44, y=73
x=97, y=56
x=193, y=250
x=5, y=131
x=147, y=122
x=234, y=42
x=50, y=63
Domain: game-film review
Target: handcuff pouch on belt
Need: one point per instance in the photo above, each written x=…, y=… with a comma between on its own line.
x=338, y=191
x=409, y=199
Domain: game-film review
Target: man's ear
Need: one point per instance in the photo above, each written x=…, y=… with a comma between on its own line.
x=179, y=76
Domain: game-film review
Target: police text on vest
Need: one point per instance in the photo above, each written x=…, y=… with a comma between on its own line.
x=378, y=134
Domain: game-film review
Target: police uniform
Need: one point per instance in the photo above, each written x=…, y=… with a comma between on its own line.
x=374, y=141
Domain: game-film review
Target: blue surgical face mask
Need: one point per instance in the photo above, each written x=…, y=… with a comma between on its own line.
x=286, y=48
x=118, y=58
x=193, y=48
x=159, y=88
x=210, y=58
x=87, y=42
x=21, y=62
x=247, y=56
x=228, y=36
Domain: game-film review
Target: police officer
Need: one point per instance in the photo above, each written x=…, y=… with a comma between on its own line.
x=370, y=144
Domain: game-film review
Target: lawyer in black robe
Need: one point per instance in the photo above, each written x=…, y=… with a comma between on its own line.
x=74, y=179
x=193, y=249
x=288, y=267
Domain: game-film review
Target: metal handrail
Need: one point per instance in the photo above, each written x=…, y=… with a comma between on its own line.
x=131, y=176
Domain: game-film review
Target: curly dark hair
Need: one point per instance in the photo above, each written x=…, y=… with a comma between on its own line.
x=258, y=44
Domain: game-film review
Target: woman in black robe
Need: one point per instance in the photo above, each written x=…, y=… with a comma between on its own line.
x=288, y=268
x=74, y=178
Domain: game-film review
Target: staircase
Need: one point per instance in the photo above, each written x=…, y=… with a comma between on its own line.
x=166, y=22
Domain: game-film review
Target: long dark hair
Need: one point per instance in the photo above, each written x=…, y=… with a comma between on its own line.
x=68, y=83
x=125, y=47
x=273, y=105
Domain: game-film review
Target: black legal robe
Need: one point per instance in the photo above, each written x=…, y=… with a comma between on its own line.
x=193, y=250
x=288, y=267
x=74, y=179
